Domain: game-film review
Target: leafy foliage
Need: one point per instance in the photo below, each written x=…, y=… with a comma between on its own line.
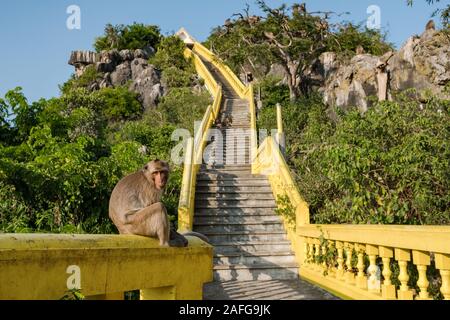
x=348, y=37
x=60, y=175
x=120, y=103
x=134, y=36
x=290, y=37
x=389, y=165
x=177, y=71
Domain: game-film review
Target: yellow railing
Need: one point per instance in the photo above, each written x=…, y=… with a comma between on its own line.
x=334, y=256
x=404, y=244
x=243, y=91
x=46, y=266
x=234, y=81
x=194, y=149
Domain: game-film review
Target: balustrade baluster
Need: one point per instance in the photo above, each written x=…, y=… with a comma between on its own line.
x=317, y=265
x=349, y=275
x=307, y=252
x=422, y=261
x=324, y=254
x=361, y=280
x=332, y=267
x=374, y=281
x=403, y=256
x=443, y=264
x=387, y=288
x=311, y=253
x=340, y=260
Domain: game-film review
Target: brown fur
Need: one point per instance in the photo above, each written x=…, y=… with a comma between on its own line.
x=135, y=206
x=430, y=25
x=360, y=49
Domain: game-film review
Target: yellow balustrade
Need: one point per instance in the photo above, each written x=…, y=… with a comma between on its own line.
x=404, y=244
x=45, y=266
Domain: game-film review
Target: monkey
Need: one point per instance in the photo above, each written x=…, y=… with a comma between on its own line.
x=430, y=25
x=360, y=49
x=135, y=205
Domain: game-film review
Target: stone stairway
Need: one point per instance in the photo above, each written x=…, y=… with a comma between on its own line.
x=235, y=209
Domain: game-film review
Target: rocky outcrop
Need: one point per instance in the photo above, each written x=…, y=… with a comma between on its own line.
x=423, y=63
x=119, y=68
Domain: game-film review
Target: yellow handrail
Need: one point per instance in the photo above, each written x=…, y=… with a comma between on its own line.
x=234, y=81
x=243, y=92
x=196, y=147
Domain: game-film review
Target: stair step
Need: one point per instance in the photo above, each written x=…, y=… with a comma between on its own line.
x=217, y=237
x=255, y=203
x=239, y=227
x=225, y=167
x=228, y=177
x=249, y=259
x=233, y=183
x=210, y=196
x=288, y=271
x=252, y=246
x=205, y=220
x=233, y=190
x=226, y=212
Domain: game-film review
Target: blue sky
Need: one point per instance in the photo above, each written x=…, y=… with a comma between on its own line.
x=36, y=44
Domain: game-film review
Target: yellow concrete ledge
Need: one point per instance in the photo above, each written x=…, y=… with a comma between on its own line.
x=337, y=287
x=38, y=266
x=424, y=238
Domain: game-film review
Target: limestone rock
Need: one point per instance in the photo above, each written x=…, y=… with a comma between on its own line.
x=147, y=83
x=351, y=84
x=422, y=63
x=121, y=74
x=126, y=55
x=81, y=59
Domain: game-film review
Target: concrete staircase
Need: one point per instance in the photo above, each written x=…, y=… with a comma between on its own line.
x=235, y=209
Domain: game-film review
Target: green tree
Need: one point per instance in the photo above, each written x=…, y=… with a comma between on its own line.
x=291, y=38
x=134, y=36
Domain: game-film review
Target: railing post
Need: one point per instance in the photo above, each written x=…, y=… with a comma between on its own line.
x=281, y=139
x=422, y=261
x=403, y=256
x=185, y=204
x=387, y=288
x=443, y=264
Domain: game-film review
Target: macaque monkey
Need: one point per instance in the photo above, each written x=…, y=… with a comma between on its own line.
x=135, y=205
x=360, y=49
x=430, y=25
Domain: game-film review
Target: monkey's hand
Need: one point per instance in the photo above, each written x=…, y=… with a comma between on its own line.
x=177, y=240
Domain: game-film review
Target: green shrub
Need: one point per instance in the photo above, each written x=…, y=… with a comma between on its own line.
x=389, y=165
x=170, y=53
x=183, y=107
x=134, y=36
x=120, y=104
x=89, y=76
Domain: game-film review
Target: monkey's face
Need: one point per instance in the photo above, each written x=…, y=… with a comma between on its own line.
x=160, y=179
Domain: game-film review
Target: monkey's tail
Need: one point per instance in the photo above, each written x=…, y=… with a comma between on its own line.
x=198, y=235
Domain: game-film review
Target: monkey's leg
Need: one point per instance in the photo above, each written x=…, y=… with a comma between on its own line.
x=151, y=221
